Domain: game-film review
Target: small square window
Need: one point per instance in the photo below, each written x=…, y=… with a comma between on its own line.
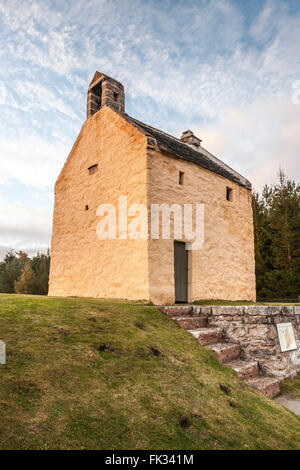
x=86, y=207
x=116, y=96
x=229, y=194
x=181, y=177
x=93, y=169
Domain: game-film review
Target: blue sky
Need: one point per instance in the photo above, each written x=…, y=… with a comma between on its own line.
x=223, y=68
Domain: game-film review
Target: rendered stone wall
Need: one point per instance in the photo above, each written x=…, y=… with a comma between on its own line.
x=224, y=268
x=254, y=328
x=81, y=264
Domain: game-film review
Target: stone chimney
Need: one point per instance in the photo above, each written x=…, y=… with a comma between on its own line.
x=105, y=91
x=189, y=138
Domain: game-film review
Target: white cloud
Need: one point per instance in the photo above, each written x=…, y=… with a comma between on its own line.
x=256, y=140
x=195, y=72
x=3, y=93
x=184, y=63
x=24, y=228
x=31, y=160
x=36, y=96
x=263, y=27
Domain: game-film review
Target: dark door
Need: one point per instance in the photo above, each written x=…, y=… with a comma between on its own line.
x=181, y=272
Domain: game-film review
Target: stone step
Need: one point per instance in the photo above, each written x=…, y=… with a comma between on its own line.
x=245, y=369
x=207, y=336
x=226, y=351
x=269, y=386
x=177, y=310
x=191, y=323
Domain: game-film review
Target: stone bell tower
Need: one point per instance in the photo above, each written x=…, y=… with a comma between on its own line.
x=105, y=91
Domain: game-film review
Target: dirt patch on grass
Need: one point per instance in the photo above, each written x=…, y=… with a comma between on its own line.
x=225, y=389
x=155, y=351
x=24, y=387
x=105, y=347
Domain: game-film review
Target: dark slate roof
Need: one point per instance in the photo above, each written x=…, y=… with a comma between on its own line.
x=176, y=147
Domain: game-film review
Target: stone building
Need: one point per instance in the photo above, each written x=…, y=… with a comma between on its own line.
x=115, y=156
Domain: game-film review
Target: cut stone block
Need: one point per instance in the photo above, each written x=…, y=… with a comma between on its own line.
x=245, y=369
x=266, y=385
x=207, y=336
x=177, y=311
x=191, y=323
x=226, y=351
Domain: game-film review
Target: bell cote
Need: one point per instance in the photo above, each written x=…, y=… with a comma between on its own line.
x=105, y=91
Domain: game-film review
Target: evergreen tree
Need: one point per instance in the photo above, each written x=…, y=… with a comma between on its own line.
x=262, y=243
x=10, y=269
x=25, y=285
x=277, y=239
x=40, y=264
x=20, y=274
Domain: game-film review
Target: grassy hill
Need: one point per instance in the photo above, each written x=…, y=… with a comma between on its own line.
x=88, y=374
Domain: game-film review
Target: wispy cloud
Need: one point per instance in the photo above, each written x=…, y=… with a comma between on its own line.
x=258, y=139
x=205, y=64
x=31, y=160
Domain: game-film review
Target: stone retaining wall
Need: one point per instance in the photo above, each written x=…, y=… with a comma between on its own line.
x=254, y=328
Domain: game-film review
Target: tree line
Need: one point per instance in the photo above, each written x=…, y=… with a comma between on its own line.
x=276, y=214
x=20, y=274
x=277, y=240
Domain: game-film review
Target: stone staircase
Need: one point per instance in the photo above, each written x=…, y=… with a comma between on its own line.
x=228, y=353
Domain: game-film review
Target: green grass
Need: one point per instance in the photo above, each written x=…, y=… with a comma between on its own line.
x=150, y=386
x=291, y=387
x=240, y=303
x=225, y=302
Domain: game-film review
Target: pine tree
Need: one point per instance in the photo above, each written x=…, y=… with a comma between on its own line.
x=25, y=285
x=10, y=269
x=40, y=265
x=277, y=239
x=263, y=259
x=284, y=218
x=20, y=274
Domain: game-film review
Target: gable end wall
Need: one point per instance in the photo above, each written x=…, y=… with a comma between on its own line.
x=81, y=264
